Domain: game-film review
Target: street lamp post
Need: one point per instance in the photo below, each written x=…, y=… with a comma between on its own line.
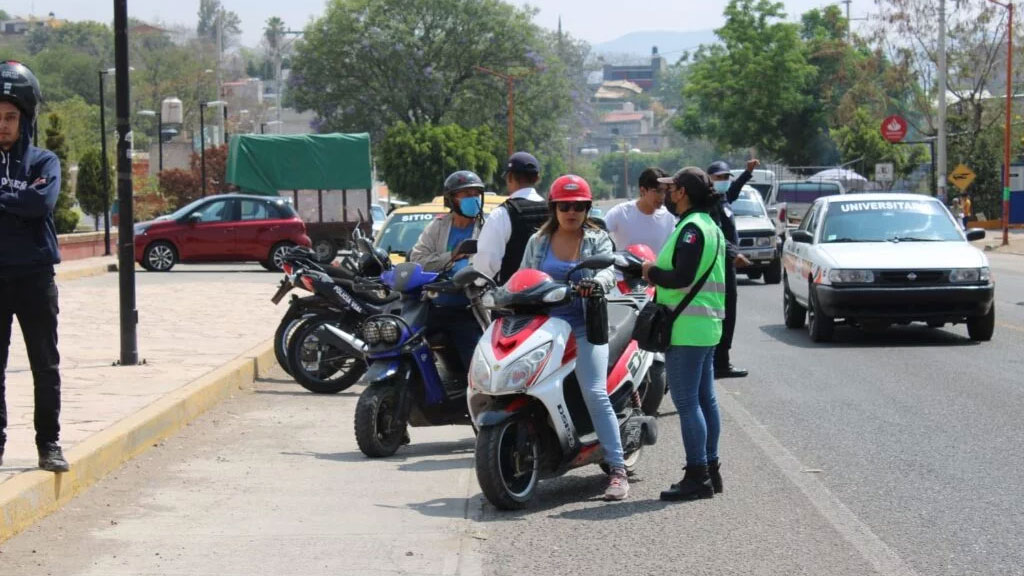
x=202, y=136
x=510, y=86
x=159, y=134
x=105, y=165
x=1009, y=119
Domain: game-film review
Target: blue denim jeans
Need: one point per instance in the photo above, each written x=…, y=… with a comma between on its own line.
x=691, y=380
x=592, y=374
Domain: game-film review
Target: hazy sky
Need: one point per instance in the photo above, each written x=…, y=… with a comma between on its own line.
x=591, y=20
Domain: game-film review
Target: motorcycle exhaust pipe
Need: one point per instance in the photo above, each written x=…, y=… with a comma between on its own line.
x=343, y=340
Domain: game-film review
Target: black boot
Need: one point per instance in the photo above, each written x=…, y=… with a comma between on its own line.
x=696, y=484
x=51, y=458
x=714, y=475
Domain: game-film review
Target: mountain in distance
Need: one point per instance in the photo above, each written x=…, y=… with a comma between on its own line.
x=671, y=43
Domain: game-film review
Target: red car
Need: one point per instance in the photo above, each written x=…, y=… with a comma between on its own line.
x=223, y=228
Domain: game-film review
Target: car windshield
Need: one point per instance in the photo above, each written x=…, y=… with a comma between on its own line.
x=184, y=210
x=888, y=221
x=401, y=232
x=377, y=213
x=806, y=192
x=747, y=205
x=762, y=189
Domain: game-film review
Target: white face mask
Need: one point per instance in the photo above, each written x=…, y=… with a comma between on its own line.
x=722, y=185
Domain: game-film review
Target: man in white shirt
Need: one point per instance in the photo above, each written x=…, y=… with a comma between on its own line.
x=502, y=240
x=644, y=220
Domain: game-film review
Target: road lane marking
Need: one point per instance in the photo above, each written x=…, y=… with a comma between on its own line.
x=872, y=548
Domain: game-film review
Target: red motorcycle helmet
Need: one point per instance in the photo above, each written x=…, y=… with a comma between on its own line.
x=570, y=188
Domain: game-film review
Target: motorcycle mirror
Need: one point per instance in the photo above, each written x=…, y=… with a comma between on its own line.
x=595, y=262
x=467, y=247
x=468, y=276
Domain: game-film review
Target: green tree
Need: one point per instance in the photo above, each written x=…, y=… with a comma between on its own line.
x=63, y=216
x=81, y=123
x=92, y=193
x=861, y=138
x=415, y=159
x=751, y=90
x=211, y=12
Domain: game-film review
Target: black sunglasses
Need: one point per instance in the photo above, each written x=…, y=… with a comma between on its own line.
x=574, y=206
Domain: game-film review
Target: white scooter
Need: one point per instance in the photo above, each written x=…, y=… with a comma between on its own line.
x=523, y=396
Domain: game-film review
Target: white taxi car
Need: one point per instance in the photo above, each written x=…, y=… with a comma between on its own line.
x=878, y=259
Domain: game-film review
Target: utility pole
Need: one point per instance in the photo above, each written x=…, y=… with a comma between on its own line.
x=510, y=86
x=126, y=237
x=1009, y=119
x=940, y=177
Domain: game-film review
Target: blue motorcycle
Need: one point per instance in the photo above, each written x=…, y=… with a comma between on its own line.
x=415, y=377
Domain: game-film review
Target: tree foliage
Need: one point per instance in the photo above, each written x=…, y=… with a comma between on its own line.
x=416, y=158
x=861, y=138
x=180, y=187
x=211, y=13
x=64, y=217
x=94, y=196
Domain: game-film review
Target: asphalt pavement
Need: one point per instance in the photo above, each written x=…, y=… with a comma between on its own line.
x=893, y=453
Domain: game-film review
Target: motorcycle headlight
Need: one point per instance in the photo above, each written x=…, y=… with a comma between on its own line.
x=390, y=331
x=371, y=333
x=851, y=276
x=521, y=374
x=763, y=241
x=970, y=275
x=556, y=295
x=479, y=372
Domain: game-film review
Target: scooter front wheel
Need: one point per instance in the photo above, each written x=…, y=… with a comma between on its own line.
x=379, y=429
x=508, y=463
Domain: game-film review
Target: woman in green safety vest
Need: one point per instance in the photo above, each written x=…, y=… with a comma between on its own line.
x=695, y=247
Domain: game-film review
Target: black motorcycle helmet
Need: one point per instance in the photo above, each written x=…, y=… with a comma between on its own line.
x=18, y=85
x=460, y=181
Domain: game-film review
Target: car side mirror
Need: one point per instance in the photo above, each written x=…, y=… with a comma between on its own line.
x=773, y=212
x=195, y=218
x=975, y=234
x=802, y=236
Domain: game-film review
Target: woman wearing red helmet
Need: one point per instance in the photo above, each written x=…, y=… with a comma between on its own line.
x=567, y=238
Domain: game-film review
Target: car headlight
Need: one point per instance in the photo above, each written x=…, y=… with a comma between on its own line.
x=970, y=275
x=521, y=374
x=762, y=241
x=851, y=276
x=390, y=331
x=479, y=372
x=371, y=333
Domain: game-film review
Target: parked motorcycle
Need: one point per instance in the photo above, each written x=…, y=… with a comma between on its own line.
x=416, y=377
x=524, y=399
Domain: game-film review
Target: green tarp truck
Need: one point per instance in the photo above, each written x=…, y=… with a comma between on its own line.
x=327, y=176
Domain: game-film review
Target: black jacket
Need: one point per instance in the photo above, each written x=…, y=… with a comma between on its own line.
x=29, y=186
x=722, y=214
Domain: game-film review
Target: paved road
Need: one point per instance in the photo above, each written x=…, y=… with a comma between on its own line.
x=895, y=453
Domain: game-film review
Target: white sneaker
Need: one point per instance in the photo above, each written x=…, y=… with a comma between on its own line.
x=618, y=485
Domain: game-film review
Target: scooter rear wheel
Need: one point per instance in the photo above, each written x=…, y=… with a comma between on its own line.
x=506, y=468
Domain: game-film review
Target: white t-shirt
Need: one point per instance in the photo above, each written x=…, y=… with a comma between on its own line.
x=628, y=225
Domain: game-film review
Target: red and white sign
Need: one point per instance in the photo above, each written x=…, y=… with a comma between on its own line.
x=894, y=128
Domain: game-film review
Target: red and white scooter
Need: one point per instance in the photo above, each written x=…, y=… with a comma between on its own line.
x=523, y=396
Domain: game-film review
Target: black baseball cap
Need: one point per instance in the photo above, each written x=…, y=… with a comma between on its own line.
x=522, y=163
x=717, y=167
x=696, y=182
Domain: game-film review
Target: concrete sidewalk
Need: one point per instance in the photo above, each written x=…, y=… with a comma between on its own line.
x=994, y=239
x=201, y=334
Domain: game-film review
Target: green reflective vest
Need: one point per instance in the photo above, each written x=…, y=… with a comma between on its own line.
x=700, y=323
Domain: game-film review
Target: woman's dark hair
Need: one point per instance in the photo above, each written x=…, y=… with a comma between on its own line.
x=551, y=224
x=698, y=187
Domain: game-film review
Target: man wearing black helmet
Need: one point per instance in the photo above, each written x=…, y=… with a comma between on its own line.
x=438, y=246
x=29, y=185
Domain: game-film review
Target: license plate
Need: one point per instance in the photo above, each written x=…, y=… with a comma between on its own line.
x=283, y=289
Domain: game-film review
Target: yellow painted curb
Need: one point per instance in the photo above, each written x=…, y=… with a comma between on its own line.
x=87, y=272
x=30, y=496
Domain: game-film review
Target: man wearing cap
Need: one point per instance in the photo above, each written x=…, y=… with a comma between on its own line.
x=502, y=240
x=644, y=220
x=727, y=192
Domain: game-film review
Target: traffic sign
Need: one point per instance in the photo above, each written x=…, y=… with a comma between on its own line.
x=961, y=177
x=894, y=128
x=883, y=172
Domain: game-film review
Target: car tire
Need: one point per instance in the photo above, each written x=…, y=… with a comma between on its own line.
x=773, y=274
x=936, y=324
x=326, y=250
x=819, y=325
x=159, y=256
x=276, y=256
x=980, y=328
x=794, y=313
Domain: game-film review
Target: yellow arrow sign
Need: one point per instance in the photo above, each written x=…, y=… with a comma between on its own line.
x=961, y=177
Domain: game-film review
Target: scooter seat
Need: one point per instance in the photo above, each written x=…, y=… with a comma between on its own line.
x=621, y=319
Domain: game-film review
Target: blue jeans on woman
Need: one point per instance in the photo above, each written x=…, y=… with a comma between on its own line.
x=592, y=375
x=691, y=381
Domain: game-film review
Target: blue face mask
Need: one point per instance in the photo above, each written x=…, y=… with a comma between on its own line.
x=722, y=186
x=470, y=206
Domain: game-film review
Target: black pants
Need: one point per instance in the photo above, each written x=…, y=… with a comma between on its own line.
x=33, y=299
x=729, y=325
